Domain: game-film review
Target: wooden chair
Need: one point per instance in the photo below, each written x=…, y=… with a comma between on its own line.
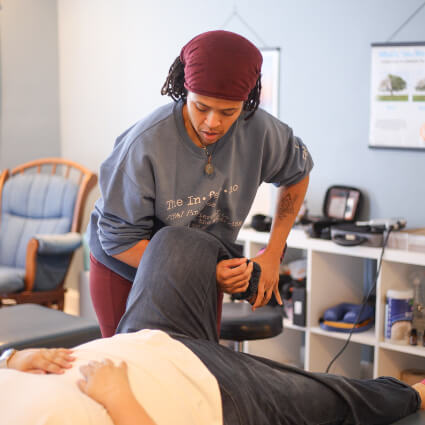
x=41, y=206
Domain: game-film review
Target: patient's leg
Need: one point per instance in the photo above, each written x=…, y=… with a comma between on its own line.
x=175, y=286
x=263, y=392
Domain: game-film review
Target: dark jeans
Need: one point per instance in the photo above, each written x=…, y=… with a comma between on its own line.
x=177, y=293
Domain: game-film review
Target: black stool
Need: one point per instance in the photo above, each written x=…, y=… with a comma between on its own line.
x=32, y=325
x=239, y=323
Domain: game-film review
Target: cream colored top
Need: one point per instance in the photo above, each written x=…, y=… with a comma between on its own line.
x=171, y=383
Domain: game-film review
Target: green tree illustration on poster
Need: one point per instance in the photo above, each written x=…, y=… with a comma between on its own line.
x=397, y=83
x=393, y=83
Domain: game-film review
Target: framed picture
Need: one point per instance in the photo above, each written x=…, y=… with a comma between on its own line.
x=397, y=96
x=270, y=72
x=264, y=202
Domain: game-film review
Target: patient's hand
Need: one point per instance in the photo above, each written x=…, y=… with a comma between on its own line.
x=104, y=382
x=42, y=360
x=108, y=385
x=233, y=275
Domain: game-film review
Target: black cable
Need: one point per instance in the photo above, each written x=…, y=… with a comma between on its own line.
x=405, y=22
x=372, y=289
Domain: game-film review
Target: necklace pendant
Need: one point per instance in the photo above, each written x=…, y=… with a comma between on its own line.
x=209, y=169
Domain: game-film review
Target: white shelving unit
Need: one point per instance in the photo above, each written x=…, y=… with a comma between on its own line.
x=335, y=275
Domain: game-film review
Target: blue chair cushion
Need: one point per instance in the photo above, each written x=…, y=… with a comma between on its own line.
x=33, y=204
x=58, y=244
x=41, y=196
x=11, y=279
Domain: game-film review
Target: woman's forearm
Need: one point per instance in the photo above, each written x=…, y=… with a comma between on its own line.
x=288, y=205
x=133, y=255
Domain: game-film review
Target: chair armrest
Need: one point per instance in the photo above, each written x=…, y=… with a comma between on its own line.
x=52, y=244
x=31, y=264
x=58, y=243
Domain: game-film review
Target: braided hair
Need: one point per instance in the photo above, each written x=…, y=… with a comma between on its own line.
x=174, y=87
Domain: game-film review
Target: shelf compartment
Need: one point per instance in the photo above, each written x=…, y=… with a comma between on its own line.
x=337, y=274
x=366, y=338
x=287, y=324
x=415, y=350
x=408, y=257
x=393, y=276
x=322, y=350
x=336, y=279
x=391, y=361
x=331, y=247
x=288, y=347
x=396, y=276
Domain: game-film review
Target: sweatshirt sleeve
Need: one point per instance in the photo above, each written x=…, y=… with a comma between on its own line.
x=286, y=157
x=126, y=207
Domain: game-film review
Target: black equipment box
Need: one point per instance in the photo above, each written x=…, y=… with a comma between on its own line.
x=341, y=205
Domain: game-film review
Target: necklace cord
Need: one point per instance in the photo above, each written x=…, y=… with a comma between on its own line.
x=209, y=168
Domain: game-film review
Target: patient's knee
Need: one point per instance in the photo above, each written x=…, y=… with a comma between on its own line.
x=179, y=234
x=185, y=243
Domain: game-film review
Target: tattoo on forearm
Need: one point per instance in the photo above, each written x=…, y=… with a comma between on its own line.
x=286, y=206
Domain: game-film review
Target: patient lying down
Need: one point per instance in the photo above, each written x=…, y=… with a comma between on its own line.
x=144, y=377
x=176, y=373
x=157, y=381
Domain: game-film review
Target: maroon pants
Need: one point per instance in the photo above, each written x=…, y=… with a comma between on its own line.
x=109, y=292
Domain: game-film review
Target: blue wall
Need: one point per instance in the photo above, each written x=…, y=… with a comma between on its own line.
x=325, y=79
x=29, y=95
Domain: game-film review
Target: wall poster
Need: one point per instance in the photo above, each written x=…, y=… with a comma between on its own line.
x=397, y=110
x=270, y=71
x=264, y=202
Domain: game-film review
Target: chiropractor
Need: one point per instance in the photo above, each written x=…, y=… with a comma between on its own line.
x=197, y=162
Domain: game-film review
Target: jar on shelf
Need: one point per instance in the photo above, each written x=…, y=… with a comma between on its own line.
x=398, y=316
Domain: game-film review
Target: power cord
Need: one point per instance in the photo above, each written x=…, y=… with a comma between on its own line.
x=371, y=291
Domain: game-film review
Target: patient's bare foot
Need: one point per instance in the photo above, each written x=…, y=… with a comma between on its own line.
x=420, y=388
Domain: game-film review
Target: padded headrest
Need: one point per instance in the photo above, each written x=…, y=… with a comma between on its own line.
x=341, y=317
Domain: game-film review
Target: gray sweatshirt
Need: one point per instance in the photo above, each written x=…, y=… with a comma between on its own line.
x=155, y=177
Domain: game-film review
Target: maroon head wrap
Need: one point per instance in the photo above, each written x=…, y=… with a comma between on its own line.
x=221, y=64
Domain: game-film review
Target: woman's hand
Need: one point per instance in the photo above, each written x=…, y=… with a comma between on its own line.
x=269, y=280
x=233, y=275
x=42, y=360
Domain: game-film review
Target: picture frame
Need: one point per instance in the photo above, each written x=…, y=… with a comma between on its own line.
x=270, y=80
x=397, y=96
x=264, y=202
